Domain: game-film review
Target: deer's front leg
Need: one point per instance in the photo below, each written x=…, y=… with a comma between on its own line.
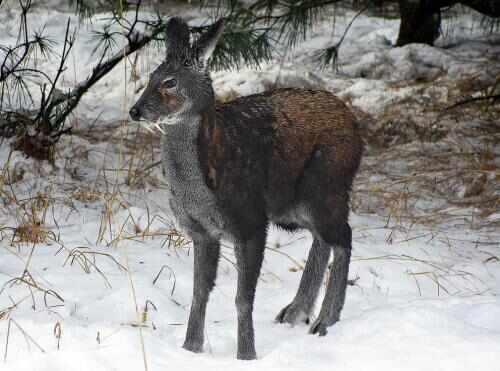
x=249, y=256
x=206, y=258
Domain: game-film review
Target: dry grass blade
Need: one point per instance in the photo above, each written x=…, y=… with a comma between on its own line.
x=28, y=280
x=172, y=274
x=440, y=274
x=86, y=258
x=4, y=313
x=298, y=265
x=172, y=236
x=27, y=337
x=58, y=334
x=175, y=239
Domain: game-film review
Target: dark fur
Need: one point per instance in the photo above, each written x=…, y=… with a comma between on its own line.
x=287, y=156
x=274, y=157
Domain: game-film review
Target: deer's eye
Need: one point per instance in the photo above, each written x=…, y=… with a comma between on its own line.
x=170, y=83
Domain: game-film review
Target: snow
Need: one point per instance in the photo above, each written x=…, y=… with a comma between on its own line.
x=426, y=297
x=395, y=316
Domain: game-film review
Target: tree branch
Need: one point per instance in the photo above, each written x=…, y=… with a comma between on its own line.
x=494, y=98
x=136, y=42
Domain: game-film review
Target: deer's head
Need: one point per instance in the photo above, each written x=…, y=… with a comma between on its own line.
x=180, y=86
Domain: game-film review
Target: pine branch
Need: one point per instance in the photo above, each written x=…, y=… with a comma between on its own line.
x=71, y=99
x=5, y=70
x=330, y=54
x=493, y=98
x=298, y=18
x=55, y=106
x=239, y=47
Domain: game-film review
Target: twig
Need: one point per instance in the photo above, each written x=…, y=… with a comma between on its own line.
x=472, y=100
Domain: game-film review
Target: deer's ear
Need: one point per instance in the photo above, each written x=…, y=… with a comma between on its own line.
x=205, y=45
x=177, y=38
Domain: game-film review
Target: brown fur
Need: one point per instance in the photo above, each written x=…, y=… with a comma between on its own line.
x=313, y=120
x=210, y=142
x=171, y=101
x=303, y=123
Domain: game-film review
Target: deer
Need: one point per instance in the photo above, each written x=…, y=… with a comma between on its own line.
x=286, y=156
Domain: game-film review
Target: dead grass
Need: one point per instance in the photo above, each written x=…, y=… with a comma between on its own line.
x=30, y=233
x=87, y=260
x=27, y=337
x=86, y=195
x=38, y=147
x=429, y=165
x=448, y=281
x=32, y=214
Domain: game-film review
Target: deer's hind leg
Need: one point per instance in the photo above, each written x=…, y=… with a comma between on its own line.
x=333, y=230
x=324, y=195
x=302, y=305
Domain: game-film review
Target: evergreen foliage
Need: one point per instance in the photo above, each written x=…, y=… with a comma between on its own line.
x=253, y=27
x=252, y=30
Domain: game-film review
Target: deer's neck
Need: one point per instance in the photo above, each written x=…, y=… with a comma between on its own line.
x=191, y=199
x=182, y=134
x=180, y=151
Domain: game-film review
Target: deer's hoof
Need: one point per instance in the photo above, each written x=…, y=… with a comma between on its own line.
x=292, y=314
x=320, y=325
x=194, y=347
x=247, y=356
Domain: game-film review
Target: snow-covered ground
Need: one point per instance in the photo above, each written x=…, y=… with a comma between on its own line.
x=422, y=302
x=112, y=285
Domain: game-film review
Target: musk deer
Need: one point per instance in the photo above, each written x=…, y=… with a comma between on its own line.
x=286, y=156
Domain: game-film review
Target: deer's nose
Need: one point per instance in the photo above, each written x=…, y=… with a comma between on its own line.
x=135, y=114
